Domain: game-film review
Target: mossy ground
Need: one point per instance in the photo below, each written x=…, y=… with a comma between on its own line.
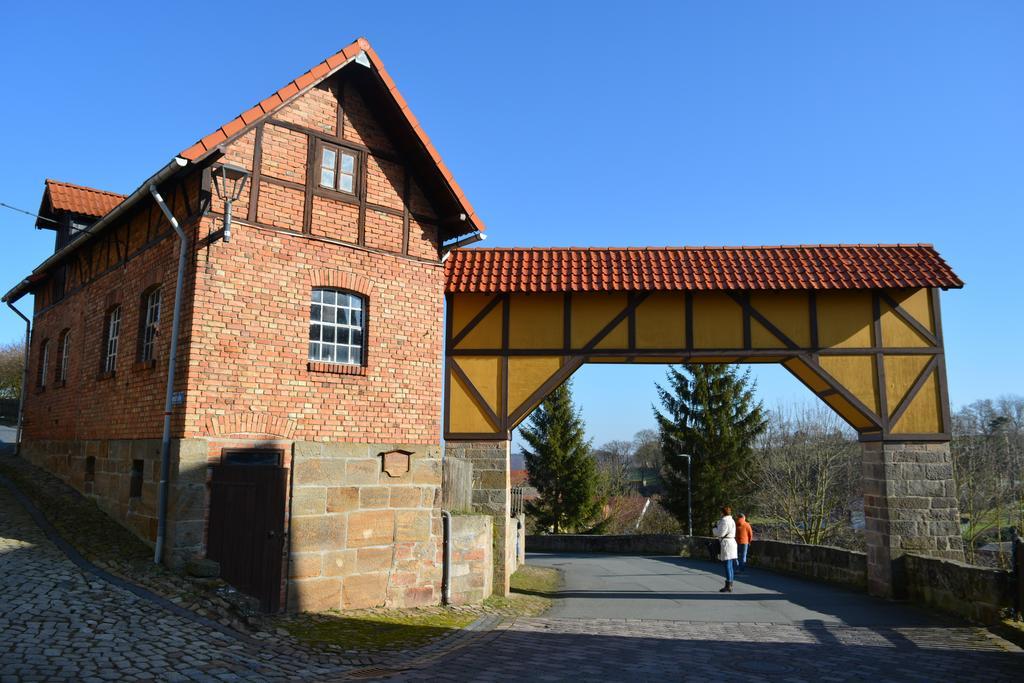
x=533, y=589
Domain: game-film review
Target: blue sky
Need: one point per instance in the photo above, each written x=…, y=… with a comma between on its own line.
x=677, y=123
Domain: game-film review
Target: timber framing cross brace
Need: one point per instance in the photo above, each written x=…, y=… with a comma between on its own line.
x=875, y=356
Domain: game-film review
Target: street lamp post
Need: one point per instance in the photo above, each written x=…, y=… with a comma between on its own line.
x=689, y=491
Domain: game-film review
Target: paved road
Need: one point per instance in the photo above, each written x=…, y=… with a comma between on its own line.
x=662, y=619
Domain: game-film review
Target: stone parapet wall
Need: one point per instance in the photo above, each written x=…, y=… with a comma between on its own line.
x=819, y=562
x=472, y=570
x=976, y=593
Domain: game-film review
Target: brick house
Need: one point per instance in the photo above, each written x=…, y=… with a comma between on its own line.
x=305, y=431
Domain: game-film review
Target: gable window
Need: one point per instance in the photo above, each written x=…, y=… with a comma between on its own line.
x=338, y=169
x=150, y=319
x=110, y=338
x=44, y=362
x=63, y=350
x=336, y=327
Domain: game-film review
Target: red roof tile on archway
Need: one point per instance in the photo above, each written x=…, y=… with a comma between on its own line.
x=818, y=267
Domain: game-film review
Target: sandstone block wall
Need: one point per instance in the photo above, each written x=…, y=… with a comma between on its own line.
x=360, y=537
x=472, y=570
x=491, y=495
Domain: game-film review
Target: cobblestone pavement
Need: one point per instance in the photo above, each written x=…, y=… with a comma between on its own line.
x=58, y=623
x=638, y=650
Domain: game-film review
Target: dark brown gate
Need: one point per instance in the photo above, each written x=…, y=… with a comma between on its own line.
x=246, y=532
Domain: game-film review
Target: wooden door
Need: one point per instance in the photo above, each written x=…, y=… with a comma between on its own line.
x=246, y=531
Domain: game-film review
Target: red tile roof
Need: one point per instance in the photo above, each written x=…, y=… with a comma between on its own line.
x=82, y=200
x=309, y=79
x=854, y=266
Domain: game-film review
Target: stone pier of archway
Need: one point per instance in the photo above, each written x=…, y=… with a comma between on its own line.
x=492, y=496
x=910, y=505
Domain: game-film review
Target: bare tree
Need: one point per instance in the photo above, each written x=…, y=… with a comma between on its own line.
x=614, y=462
x=988, y=461
x=807, y=474
x=12, y=366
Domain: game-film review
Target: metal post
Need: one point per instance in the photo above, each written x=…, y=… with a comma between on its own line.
x=689, y=495
x=24, y=378
x=165, y=442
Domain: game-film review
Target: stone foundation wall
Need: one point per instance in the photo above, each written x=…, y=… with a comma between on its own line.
x=359, y=536
x=976, y=593
x=101, y=469
x=472, y=570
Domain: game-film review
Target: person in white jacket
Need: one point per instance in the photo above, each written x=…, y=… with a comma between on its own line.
x=725, y=531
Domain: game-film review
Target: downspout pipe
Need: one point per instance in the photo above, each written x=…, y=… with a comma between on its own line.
x=24, y=376
x=446, y=570
x=165, y=441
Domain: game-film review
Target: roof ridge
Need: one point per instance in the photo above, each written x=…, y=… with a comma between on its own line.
x=746, y=247
x=53, y=181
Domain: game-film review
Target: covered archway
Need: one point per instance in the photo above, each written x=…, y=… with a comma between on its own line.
x=858, y=325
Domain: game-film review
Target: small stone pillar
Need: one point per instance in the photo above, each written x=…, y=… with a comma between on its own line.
x=910, y=506
x=491, y=496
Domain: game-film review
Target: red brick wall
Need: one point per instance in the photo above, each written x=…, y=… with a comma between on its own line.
x=129, y=403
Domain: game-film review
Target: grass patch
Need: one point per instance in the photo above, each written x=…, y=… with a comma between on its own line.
x=533, y=590
x=378, y=630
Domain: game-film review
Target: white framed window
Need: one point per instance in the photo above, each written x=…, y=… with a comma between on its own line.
x=338, y=169
x=150, y=323
x=337, y=323
x=110, y=339
x=63, y=351
x=44, y=362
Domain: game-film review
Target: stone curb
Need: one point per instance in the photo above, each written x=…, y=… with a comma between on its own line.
x=88, y=567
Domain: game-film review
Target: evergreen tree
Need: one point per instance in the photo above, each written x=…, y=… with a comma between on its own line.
x=560, y=465
x=709, y=413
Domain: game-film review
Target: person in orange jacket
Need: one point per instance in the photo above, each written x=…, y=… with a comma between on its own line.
x=744, y=535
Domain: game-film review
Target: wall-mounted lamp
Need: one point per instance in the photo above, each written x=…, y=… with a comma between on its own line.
x=228, y=183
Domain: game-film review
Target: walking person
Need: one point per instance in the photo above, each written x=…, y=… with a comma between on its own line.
x=725, y=531
x=744, y=535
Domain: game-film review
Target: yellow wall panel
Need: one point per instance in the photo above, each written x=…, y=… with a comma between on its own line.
x=924, y=415
x=486, y=334
x=465, y=307
x=848, y=412
x=717, y=322
x=526, y=374
x=788, y=311
x=466, y=416
x=898, y=334
x=661, y=321
x=916, y=302
x=845, y=319
x=590, y=314
x=900, y=374
x=856, y=374
x=805, y=374
x=485, y=374
x=536, y=321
